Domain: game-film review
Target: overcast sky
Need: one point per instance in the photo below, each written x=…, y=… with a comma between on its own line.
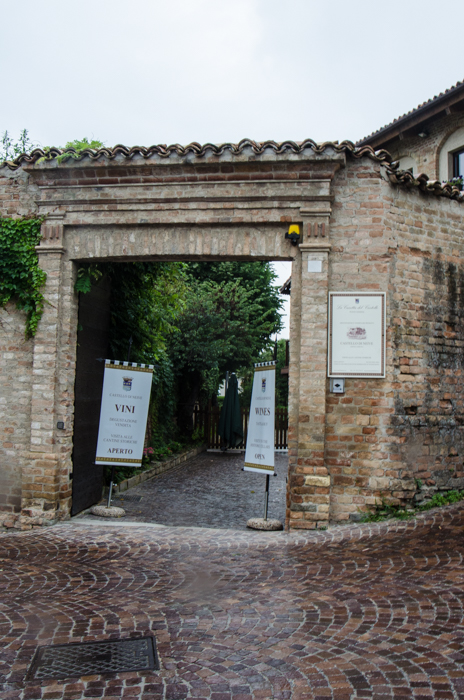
x=163, y=71
x=143, y=72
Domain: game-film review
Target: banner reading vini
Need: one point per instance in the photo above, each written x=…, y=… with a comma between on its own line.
x=259, y=455
x=123, y=414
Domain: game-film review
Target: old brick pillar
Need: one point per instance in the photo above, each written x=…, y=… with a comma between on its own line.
x=309, y=484
x=41, y=478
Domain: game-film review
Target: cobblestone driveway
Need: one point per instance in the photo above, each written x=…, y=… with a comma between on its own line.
x=210, y=490
x=367, y=611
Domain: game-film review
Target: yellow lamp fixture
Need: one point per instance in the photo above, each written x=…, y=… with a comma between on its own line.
x=293, y=233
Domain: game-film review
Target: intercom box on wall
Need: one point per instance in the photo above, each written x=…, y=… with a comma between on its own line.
x=337, y=385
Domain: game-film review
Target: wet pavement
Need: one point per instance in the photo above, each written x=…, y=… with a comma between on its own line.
x=363, y=611
x=210, y=490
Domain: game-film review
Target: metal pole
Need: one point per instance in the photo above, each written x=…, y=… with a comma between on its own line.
x=266, y=497
x=111, y=487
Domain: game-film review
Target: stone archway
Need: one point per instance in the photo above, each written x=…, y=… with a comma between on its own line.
x=217, y=208
x=388, y=232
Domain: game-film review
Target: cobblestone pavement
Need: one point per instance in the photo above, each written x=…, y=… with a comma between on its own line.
x=210, y=490
x=365, y=611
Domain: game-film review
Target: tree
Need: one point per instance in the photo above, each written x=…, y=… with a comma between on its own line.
x=281, y=379
x=256, y=277
x=229, y=317
x=10, y=149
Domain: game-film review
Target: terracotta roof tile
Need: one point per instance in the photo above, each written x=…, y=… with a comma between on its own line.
x=200, y=151
x=406, y=179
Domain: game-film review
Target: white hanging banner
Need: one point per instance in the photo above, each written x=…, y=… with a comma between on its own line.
x=259, y=454
x=123, y=413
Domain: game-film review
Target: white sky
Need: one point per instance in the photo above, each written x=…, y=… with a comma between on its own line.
x=163, y=71
x=144, y=72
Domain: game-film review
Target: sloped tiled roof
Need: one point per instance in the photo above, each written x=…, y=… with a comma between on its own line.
x=424, y=107
x=199, y=151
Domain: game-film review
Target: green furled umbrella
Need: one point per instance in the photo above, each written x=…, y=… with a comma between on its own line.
x=230, y=421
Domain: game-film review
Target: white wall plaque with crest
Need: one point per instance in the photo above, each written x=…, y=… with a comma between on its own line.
x=356, y=346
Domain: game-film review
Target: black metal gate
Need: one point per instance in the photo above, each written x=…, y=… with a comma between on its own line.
x=92, y=343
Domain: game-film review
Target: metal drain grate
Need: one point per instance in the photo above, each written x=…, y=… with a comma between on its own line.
x=132, y=499
x=89, y=658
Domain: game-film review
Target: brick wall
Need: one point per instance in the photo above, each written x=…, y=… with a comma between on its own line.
x=15, y=408
x=357, y=422
x=16, y=199
x=16, y=194
x=427, y=343
x=400, y=437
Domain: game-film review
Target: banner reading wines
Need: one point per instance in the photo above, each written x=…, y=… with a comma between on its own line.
x=259, y=455
x=123, y=414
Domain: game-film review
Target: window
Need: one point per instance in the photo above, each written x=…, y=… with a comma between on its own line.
x=458, y=163
x=408, y=163
x=451, y=156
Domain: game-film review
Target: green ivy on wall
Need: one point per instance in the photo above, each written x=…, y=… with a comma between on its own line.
x=21, y=278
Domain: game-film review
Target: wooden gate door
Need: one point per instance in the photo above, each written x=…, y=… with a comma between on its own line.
x=206, y=421
x=92, y=343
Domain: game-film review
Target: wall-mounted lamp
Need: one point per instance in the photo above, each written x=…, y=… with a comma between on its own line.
x=423, y=134
x=293, y=233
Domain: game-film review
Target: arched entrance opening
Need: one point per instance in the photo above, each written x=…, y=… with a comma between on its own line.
x=227, y=311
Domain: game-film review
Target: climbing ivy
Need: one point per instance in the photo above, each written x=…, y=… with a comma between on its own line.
x=21, y=278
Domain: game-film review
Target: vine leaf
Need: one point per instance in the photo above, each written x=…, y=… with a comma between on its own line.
x=21, y=278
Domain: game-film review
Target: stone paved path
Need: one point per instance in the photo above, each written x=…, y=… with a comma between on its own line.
x=210, y=490
x=365, y=611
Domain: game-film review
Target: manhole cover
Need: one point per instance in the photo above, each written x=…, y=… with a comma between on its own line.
x=89, y=658
x=134, y=499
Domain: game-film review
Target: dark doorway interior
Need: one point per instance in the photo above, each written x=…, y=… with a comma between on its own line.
x=92, y=344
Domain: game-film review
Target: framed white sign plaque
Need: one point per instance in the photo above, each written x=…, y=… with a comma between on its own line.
x=356, y=346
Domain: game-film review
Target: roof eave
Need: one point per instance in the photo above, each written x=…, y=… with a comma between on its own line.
x=419, y=116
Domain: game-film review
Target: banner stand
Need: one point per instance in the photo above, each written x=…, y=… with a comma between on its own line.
x=108, y=505
x=123, y=421
x=111, y=488
x=260, y=447
x=266, y=497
